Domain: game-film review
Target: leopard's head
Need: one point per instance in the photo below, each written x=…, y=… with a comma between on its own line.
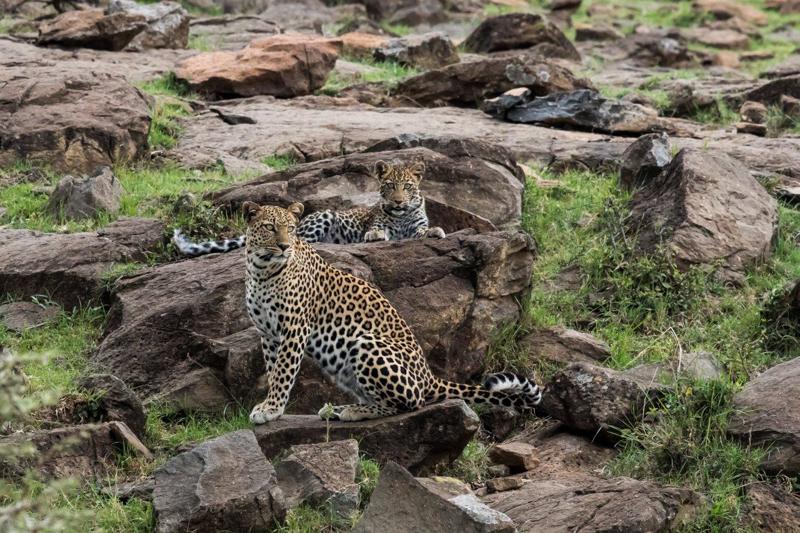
x=399, y=185
x=271, y=231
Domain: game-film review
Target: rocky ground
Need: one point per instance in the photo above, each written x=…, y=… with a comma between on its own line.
x=619, y=182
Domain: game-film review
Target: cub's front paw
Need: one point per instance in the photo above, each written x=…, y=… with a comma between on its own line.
x=262, y=414
x=375, y=235
x=435, y=233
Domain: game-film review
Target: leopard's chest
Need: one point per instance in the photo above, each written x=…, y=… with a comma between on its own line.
x=266, y=308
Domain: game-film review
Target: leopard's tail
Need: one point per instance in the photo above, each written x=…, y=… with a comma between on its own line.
x=193, y=249
x=504, y=388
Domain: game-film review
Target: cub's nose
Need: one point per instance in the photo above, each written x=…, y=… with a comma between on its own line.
x=283, y=245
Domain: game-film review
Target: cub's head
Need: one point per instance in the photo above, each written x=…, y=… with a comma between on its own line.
x=270, y=231
x=399, y=185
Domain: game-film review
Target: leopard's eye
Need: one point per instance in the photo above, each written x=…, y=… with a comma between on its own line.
x=291, y=228
x=391, y=185
x=270, y=227
x=407, y=186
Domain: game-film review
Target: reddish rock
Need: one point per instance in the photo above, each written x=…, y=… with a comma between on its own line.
x=360, y=44
x=284, y=65
x=518, y=456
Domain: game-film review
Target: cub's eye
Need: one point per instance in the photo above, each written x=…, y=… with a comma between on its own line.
x=291, y=228
x=390, y=186
x=270, y=227
x=407, y=186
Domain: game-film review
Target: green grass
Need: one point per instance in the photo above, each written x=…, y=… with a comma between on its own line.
x=396, y=29
x=472, y=466
x=386, y=72
x=279, y=162
x=169, y=94
x=168, y=429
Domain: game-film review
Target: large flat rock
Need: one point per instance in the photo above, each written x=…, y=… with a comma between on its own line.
x=180, y=328
x=70, y=267
x=332, y=126
x=419, y=440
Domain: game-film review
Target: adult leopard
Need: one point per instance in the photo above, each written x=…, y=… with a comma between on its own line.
x=400, y=214
x=303, y=306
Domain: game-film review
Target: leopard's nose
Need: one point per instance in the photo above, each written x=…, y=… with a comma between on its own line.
x=283, y=245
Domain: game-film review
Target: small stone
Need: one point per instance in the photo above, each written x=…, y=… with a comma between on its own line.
x=115, y=401
x=84, y=198
x=596, y=32
x=498, y=470
x=644, y=159
x=726, y=59
x=519, y=456
x=728, y=39
x=359, y=44
x=756, y=55
x=503, y=484
x=427, y=51
x=754, y=112
x=92, y=28
x=790, y=106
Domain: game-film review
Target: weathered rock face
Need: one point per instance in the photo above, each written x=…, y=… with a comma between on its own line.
x=73, y=121
x=284, y=65
x=467, y=83
x=115, y=401
x=771, y=92
x=517, y=456
x=206, y=138
x=595, y=399
x=470, y=284
x=223, y=484
x=419, y=440
x=92, y=28
x=20, y=316
x=767, y=418
x=516, y=31
x=426, y=51
x=87, y=452
x=581, y=109
x=705, y=209
x=167, y=23
x=466, y=182
x=770, y=508
x=231, y=32
x=403, y=504
x=85, y=198
x=729, y=9
x=70, y=267
x=596, y=32
x=644, y=159
x=697, y=365
x=321, y=475
x=562, y=345
x=587, y=503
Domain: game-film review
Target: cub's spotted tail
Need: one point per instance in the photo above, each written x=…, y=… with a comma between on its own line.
x=193, y=249
x=504, y=388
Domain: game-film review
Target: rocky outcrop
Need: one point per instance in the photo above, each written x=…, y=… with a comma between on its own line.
x=407, y=12
x=518, y=31
x=322, y=475
x=582, y=502
x=770, y=93
x=223, y=484
x=70, y=267
x=87, y=197
x=425, y=51
x=769, y=508
x=284, y=65
x=402, y=504
x=167, y=23
x=419, y=440
x=21, y=316
x=705, y=210
x=92, y=28
x=206, y=138
x=593, y=399
x=466, y=183
x=467, y=83
x=87, y=452
x=766, y=418
x=74, y=121
x=470, y=284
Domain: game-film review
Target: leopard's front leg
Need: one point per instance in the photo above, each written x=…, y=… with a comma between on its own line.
x=424, y=232
x=281, y=376
x=376, y=232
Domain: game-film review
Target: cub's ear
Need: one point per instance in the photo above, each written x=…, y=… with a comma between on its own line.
x=380, y=169
x=250, y=210
x=296, y=209
x=417, y=168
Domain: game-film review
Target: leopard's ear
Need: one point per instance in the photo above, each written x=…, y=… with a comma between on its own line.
x=417, y=168
x=380, y=169
x=296, y=209
x=250, y=210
